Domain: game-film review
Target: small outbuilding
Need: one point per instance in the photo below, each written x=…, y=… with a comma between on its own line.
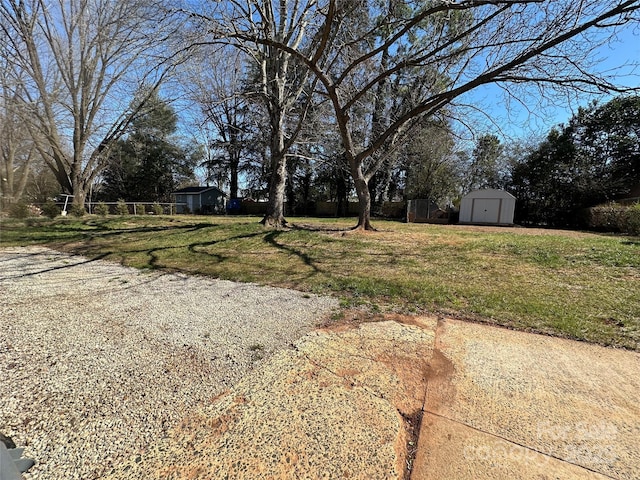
x=487, y=207
x=425, y=211
x=199, y=200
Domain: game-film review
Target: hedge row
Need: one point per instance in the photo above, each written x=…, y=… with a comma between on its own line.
x=615, y=218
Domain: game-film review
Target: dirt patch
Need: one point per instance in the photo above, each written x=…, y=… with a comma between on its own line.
x=352, y=318
x=413, y=423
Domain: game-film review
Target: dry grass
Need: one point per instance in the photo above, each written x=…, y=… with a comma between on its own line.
x=574, y=284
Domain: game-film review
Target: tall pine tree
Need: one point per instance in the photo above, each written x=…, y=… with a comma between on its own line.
x=149, y=163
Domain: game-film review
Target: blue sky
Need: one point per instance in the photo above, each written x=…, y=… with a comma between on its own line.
x=516, y=121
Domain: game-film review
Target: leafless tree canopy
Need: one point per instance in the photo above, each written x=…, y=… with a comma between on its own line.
x=77, y=66
x=79, y=69
x=432, y=53
x=280, y=79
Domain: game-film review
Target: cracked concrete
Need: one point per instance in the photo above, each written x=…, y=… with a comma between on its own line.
x=347, y=402
x=523, y=406
x=333, y=407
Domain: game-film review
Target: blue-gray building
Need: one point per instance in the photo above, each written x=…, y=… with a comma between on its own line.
x=199, y=200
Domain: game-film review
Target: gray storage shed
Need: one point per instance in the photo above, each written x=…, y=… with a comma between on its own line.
x=487, y=207
x=199, y=200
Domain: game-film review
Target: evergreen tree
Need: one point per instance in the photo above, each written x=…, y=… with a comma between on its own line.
x=150, y=162
x=433, y=169
x=484, y=170
x=593, y=159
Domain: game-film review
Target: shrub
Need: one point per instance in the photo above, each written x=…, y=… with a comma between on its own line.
x=615, y=218
x=77, y=210
x=50, y=209
x=138, y=209
x=102, y=209
x=157, y=209
x=19, y=210
x=606, y=217
x=121, y=208
x=633, y=219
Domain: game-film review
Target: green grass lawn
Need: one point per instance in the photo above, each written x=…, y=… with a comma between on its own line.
x=576, y=285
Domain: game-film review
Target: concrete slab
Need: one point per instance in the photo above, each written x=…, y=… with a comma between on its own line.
x=344, y=403
x=337, y=406
x=517, y=402
x=454, y=451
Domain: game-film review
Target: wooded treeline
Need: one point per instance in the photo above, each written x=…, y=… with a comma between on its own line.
x=295, y=101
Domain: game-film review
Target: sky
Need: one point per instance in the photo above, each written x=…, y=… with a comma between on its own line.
x=515, y=121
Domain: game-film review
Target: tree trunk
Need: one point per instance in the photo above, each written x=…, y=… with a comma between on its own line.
x=78, y=184
x=79, y=195
x=233, y=184
x=275, y=207
x=364, y=200
x=373, y=185
x=274, y=80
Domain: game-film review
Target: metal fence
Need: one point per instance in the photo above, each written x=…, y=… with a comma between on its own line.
x=423, y=210
x=135, y=208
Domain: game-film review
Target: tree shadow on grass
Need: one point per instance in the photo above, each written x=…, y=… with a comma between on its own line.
x=190, y=227
x=272, y=239
x=67, y=236
x=155, y=253
x=193, y=247
x=319, y=228
x=83, y=244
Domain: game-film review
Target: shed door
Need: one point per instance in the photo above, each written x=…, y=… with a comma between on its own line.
x=485, y=210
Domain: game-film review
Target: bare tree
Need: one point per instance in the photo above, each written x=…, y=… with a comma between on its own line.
x=81, y=63
x=17, y=149
x=443, y=50
x=279, y=79
x=215, y=80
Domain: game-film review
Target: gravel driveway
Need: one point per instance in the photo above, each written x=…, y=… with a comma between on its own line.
x=98, y=360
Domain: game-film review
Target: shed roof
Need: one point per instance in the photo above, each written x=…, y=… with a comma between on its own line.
x=489, y=193
x=196, y=190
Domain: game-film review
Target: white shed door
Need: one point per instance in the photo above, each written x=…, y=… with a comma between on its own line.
x=485, y=210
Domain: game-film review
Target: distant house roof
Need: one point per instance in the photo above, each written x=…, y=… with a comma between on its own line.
x=196, y=190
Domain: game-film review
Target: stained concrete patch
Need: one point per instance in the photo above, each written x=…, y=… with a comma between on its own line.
x=517, y=402
x=334, y=407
